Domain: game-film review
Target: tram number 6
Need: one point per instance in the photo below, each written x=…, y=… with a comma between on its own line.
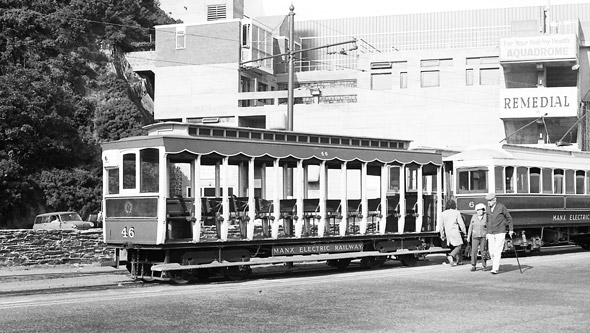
x=128, y=232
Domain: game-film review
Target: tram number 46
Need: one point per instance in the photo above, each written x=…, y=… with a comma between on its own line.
x=128, y=232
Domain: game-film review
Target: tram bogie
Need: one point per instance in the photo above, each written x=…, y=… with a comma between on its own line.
x=190, y=200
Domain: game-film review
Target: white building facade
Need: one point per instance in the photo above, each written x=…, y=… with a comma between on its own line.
x=445, y=80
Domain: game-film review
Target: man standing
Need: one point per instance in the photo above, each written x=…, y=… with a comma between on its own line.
x=499, y=217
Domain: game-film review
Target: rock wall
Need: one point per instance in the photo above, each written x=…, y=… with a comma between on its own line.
x=52, y=247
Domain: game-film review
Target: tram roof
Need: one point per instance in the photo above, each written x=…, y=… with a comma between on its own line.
x=232, y=141
x=525, y=155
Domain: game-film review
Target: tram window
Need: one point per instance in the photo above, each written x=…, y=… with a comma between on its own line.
x=547, y=174
x=113, y=175
x=558, y=181
x=569, y=182
x=499, y=177
x=580, y=176
x=394, y=178
x=472, y=181
x=180, y=179
x=535, y=180
x=150, y=170
x=129, y=171
x=522, y=180
x=509, y=179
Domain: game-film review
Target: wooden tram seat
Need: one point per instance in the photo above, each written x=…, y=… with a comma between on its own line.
x=240, y=209
x=374, y=208
x=333, y=212
x=311, y=209
x=288, y=210
x=179, y=218
x=264, y=212
x=354, y=213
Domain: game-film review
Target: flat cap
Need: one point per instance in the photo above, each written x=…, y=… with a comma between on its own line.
x=480, y=206
x=490, y=196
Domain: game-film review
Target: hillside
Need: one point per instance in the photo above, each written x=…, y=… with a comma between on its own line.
x=62, y=93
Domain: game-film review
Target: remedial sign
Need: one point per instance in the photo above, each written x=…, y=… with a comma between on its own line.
x=536, y=102
x=549, y=47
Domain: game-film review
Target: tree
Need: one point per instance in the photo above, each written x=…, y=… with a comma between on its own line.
x=59, y=98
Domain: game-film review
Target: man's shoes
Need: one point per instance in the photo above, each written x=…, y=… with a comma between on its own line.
x=494, y=272
x=473, y=268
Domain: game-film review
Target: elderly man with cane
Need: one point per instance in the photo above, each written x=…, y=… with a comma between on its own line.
x=499, y=219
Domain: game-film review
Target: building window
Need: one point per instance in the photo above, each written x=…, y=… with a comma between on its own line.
x=180, y=37
x=216, y=12
x=403, y=80
x=489, y=76
x=469, y=77
x=436, y=63
x=429, y=79
x=381, y=81
x=246, y=35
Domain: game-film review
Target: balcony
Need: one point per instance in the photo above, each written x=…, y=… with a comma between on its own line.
x=536, y=102
x=301, y=96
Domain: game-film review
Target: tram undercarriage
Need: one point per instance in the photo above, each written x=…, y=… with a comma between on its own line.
x=234, y=262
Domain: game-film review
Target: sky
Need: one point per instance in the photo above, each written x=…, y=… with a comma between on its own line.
x=327, y=9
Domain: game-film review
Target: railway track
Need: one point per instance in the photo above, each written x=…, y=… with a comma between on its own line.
x=34, y=283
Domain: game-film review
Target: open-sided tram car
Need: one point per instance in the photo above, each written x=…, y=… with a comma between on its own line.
x=191, y=200
x=547, y=191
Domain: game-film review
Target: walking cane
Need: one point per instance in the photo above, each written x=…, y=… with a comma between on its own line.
x=516, y=255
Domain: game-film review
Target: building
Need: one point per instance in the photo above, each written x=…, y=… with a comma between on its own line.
x=446, y=80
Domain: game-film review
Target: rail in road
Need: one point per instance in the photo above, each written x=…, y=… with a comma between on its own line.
x=37, y=282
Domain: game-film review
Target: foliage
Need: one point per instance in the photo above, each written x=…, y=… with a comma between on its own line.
x=60, y=97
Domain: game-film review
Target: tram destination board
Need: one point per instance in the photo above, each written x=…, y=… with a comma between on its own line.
x=317, y=248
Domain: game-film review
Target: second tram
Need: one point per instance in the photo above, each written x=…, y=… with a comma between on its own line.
x=546, y=190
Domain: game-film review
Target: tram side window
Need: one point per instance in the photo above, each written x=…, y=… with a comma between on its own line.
x=150, y=170
x=472, y=181
x=558, y=181
x=535, y=180
x=129, y=171
x=113, y=175
x=569, y=182
x=499, y=178
x=509, y=179
x=547, y=174
x=522, y=180
x=580, y=176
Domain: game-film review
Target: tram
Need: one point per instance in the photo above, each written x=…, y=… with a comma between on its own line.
x=546, y=190
x=189, y=200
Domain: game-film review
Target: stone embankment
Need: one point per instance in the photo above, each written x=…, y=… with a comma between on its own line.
x=24, y=247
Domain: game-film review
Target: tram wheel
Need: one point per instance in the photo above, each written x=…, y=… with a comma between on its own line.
x=339, y=263
x=181, y=277
x=236, y=273
x=409, y=260
x=373, y=262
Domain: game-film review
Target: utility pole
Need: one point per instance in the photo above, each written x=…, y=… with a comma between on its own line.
x=291, y=78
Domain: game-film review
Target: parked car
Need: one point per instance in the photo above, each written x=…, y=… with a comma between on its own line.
x=61, y=221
